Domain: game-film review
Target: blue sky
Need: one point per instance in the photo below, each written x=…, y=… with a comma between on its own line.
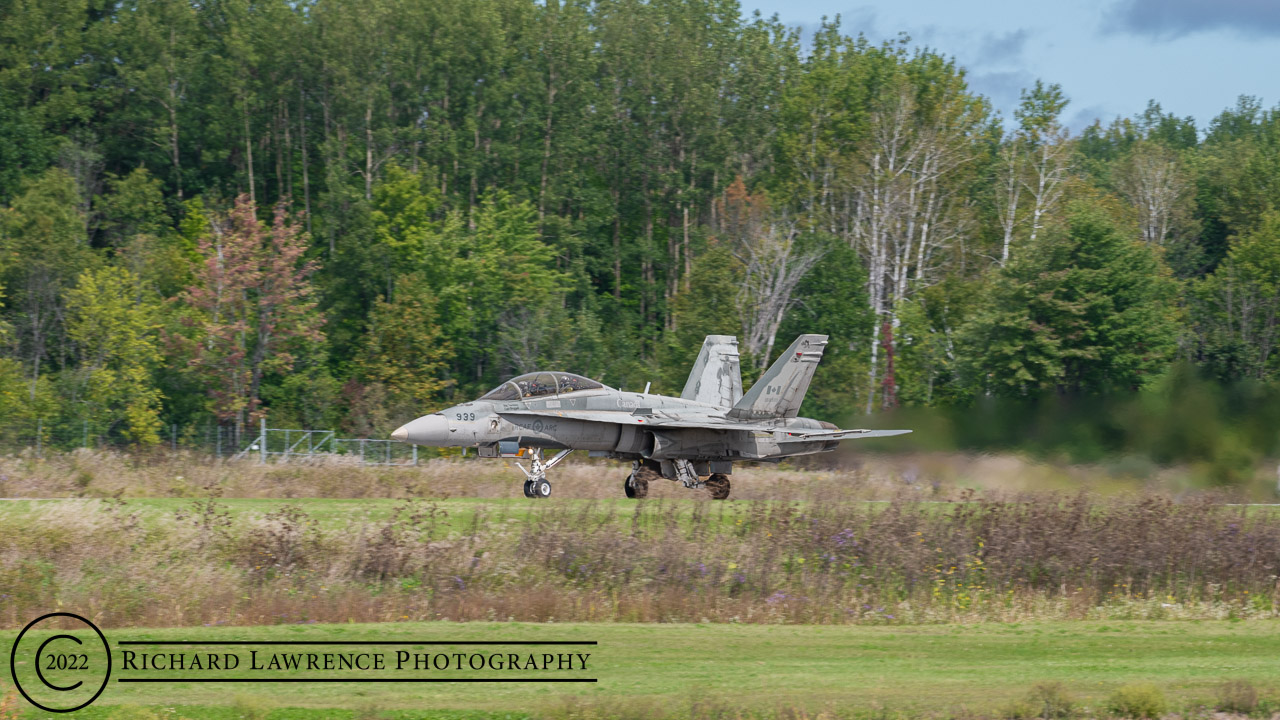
x=1194, y=57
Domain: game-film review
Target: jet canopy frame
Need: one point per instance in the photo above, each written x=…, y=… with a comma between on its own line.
x=541, y=384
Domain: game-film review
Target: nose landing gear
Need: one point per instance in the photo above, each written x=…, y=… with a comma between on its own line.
x=537, y=489
x=535, y=483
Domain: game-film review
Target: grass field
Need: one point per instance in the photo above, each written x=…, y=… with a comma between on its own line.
x=913, y=670
x=155, y=562
x=816, y=594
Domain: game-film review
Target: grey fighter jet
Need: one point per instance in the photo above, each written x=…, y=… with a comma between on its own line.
x=694, y=439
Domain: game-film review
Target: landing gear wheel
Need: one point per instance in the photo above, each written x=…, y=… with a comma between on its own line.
x=637, y=484
x=718, y=486
x=528, y=489
x=542, y=489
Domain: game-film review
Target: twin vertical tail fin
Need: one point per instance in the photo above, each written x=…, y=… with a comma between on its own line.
x=716, y=377
x=780, y=391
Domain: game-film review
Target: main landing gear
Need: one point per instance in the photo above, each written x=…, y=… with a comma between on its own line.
x=535, y=483
x=718, y=486
x=643, y=471
x=637, y=483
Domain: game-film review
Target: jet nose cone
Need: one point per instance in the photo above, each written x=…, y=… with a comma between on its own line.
x=426, y=430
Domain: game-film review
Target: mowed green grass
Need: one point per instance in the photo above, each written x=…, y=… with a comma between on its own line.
x=460, y=513
x=329, y=512
x=908, y=668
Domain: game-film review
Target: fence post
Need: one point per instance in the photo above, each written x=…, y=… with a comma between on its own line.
x=415, y=455
x=86, y=433
x=39, y=432
x=219, y=427
x=262, y=442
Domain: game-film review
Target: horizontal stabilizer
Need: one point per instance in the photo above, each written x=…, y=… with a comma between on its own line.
x=846, y=434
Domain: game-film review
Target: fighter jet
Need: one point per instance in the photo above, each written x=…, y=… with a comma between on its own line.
x=694, y=439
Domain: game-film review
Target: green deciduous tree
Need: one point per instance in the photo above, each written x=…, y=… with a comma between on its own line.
x=1237, y=308
x=115, y=326
x=1086, y=309
x=43, y=237
x=405, y=353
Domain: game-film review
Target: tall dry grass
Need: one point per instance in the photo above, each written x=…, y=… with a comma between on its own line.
x=825, y=478
x=903, y=561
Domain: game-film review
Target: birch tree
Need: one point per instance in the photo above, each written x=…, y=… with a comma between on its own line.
x=905, y=208
x=1010, y=168
x=1049, y=148
x=1153, y=181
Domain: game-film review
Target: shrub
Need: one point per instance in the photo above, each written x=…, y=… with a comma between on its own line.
x=1237, y=696
x=1143, y=700
x=1051, y=700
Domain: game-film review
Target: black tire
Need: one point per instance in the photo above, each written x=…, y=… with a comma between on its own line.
x=639, y=486
x=718, y=486
x=543, y=489
x=626, y=488
x=528, y=489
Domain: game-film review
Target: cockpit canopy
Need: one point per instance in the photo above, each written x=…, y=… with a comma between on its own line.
x=533, y=385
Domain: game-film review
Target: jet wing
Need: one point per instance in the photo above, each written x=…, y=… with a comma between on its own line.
x=653, y=420
x=710, y=423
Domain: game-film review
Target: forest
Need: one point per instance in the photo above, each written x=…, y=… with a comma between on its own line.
x=344, y=214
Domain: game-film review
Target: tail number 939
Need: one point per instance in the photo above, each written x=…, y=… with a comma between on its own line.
x=464, y=416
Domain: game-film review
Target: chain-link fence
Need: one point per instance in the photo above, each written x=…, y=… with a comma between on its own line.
x=288, y=444
x=261, y=443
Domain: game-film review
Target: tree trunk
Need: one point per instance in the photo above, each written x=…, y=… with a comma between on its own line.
x=368, y=149
x=306, y=179
x=546, y=144
x=248, y=147
x=890, y=381
x=617, y=247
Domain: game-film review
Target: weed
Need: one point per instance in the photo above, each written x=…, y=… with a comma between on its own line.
x=369, y=711
x=1237, y=696
x=903, y=561
x=1051, y=701
x=251, y=707
x=285, y=542
x=1143, y=701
